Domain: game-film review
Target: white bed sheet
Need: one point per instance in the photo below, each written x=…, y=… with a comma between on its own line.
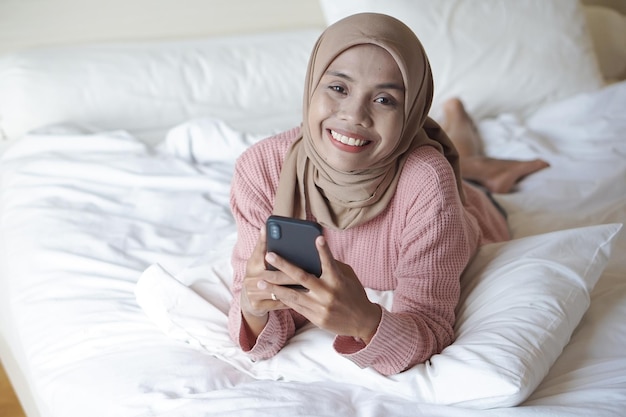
x=84, y=215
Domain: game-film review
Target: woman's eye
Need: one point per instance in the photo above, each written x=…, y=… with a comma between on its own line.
x=384, y=100
x=337, y=89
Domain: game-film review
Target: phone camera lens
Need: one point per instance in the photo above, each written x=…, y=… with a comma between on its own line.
x=274, y=231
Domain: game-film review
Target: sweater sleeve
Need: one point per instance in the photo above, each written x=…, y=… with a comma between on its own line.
x=436, y=243
x=252, y=197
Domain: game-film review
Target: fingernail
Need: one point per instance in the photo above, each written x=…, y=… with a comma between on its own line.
x=270, y=257
x=261, y=285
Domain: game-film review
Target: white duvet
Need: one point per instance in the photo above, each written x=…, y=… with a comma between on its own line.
x=84, y=216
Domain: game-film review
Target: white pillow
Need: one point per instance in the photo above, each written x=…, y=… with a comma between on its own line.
x=521, y=301
x=253, y=82
x=608, y=32
x=497, y=55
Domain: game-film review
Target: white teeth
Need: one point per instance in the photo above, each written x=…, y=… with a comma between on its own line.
x=347, y=140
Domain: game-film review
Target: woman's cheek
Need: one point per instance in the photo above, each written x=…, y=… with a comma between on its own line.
x=320, y=109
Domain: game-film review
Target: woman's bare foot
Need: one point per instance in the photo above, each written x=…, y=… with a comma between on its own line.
x=497, y=175
x=461, y=129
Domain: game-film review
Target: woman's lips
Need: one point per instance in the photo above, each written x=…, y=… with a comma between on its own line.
x=347, y=140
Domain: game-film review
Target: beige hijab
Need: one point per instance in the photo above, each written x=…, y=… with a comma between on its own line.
x=341, y=200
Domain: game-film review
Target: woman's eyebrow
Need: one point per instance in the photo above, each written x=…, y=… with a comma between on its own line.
x=391, y=86
x=386, y=86
x=339, y=74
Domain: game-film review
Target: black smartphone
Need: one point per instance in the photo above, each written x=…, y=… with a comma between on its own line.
x=294, y=240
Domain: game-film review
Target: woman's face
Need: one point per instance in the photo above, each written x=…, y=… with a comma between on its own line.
x=356, y=113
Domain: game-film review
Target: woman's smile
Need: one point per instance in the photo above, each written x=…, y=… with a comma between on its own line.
x=352, y=143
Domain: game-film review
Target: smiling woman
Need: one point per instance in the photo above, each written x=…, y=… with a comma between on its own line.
x=383, y=179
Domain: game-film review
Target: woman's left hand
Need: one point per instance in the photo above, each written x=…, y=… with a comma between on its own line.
x=336, y=301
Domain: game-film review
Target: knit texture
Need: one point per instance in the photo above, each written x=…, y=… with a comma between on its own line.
x=418, y=247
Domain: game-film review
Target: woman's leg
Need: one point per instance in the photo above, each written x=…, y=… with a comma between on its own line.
x=496, y=175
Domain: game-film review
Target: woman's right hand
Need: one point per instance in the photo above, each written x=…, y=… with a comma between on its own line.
x=256, y=295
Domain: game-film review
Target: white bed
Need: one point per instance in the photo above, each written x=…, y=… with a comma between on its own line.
x=115, y=229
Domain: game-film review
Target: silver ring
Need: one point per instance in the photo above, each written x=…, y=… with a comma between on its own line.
x=274, y=297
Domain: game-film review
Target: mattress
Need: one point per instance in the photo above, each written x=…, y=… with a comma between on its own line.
x=84, y=216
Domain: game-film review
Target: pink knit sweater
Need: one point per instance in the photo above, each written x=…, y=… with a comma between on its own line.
x=417, y=247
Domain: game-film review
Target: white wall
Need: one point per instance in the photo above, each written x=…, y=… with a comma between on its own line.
x=25, y=23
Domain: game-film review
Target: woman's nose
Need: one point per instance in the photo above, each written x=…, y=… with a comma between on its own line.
x=355, y=111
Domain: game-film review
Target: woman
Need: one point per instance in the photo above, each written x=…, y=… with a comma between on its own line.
x=384, y=181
